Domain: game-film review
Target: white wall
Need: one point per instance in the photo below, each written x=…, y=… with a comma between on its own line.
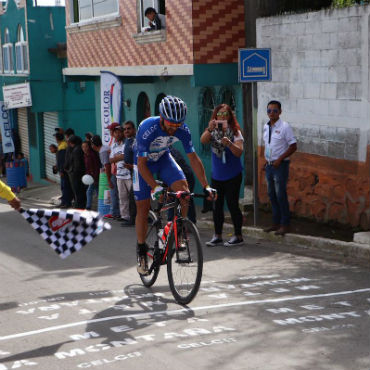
x=320, y=73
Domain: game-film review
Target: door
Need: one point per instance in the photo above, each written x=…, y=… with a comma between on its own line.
x=50, y=123
x=23, y=131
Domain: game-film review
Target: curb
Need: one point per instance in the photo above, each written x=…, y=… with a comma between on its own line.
x=350, y=251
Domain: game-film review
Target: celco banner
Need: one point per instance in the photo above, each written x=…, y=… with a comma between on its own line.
x=6, y=132
x=111, y=100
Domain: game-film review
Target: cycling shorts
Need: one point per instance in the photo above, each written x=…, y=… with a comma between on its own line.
x=166, y=169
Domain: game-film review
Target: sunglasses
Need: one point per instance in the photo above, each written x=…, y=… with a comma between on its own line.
x=222, y=114
x=272, y=111
x=172, y=124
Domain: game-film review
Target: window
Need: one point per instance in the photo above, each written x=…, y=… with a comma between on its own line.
x=142, y=107
x=8, y=53
x=227, y=97
x=157, y=101
x=88, y=9
x=21, y=52
x=158, y=5
x=207, y=104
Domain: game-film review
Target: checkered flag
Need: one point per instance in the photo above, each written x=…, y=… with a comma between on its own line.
x=65, y=231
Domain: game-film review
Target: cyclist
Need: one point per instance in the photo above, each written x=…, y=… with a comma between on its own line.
x=154, y=137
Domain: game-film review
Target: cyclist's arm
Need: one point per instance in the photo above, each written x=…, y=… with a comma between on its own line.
x=198, y=168
x=145, y=172
x=6, y=192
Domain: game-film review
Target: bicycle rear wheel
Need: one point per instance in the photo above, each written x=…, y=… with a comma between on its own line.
x=152, y=242
x=185, y=265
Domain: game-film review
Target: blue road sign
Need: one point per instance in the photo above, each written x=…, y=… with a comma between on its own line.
x=254, y=65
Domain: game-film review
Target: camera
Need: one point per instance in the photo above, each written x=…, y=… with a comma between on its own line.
x=221, y=125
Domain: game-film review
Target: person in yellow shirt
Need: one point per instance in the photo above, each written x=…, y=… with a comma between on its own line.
x=6, y=193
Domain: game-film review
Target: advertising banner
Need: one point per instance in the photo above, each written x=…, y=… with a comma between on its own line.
x=111, y=101
x=6, y=132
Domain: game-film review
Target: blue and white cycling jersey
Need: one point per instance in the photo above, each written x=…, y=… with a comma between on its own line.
x=152, y=142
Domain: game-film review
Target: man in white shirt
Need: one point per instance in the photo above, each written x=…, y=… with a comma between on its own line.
x=124, y=181
x=280, y=144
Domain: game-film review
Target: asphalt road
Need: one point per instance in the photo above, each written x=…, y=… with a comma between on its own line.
x=258, y=308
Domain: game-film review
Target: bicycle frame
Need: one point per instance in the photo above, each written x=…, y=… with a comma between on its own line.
x=165, y=206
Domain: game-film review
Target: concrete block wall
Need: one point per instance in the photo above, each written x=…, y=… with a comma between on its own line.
x=320, y=73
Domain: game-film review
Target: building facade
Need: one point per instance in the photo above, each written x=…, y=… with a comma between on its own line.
x=33, y=41
x=321, y=75
x=194, y=57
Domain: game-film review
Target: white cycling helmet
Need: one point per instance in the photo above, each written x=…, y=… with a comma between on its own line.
x=173, y=109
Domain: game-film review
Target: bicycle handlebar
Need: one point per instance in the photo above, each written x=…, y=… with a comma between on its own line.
x=184, y=194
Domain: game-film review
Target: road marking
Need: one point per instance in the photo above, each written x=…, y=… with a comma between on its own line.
x=180, y=311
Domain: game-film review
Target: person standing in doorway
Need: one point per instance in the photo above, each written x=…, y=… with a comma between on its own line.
x=280, y=144
x=65, y=186
x=76, y=171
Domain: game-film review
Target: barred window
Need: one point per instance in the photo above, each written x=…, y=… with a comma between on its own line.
x=21, y=52
x=7, y=51
x=207, y=105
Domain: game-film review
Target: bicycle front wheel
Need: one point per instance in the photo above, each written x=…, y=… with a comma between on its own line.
x=185, y=263
x=152, y=242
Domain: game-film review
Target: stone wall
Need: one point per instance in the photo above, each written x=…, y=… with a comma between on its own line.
x=320, y=73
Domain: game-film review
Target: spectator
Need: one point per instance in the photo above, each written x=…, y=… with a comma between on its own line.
x=65, y=185
x=53, y=150
x=156, y=21
x=104, y=151
x=223, y=132
x=92, y=167
x=280, y=144
x=67, y=160
x=88, y=137
x=59, y=130
x=188, y=172
x=23, y=159
x=124, y=180
x=115, y=212
x=130, y=133
x=76, y=171
x=6, y=193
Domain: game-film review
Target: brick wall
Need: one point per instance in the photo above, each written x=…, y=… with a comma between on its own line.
x=320, y=73
x=115, y=46
x=218, y=30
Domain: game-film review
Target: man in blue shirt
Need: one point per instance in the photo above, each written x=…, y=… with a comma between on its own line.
x=154, y=137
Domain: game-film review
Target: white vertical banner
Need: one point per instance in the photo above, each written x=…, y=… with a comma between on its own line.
x=6, y=131
x=111, y=100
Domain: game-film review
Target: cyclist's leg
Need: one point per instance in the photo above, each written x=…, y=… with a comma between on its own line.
x=142, y=211
x=142, y=199
x=181, y=185
x=172, y=174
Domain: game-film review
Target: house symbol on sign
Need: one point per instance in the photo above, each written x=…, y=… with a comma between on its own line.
x=255, y=65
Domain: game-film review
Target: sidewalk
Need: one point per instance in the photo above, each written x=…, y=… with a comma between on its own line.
x=305, y=236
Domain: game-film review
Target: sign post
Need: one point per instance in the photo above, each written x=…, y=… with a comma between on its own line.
x=254, y=66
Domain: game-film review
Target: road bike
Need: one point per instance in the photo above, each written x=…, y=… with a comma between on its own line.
x=177, y=245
